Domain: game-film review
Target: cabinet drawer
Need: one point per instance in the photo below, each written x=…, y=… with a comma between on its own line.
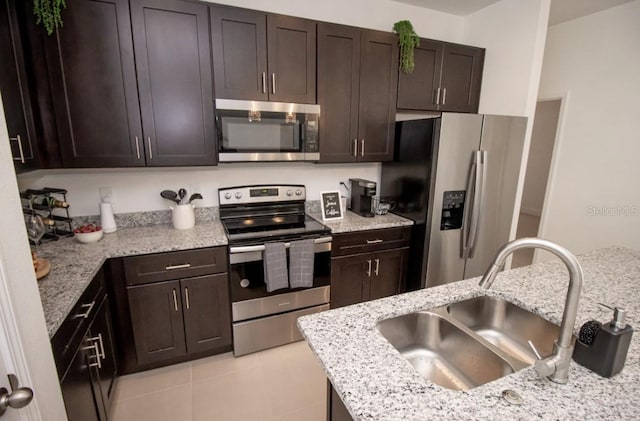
x=67, y=339
x=371, y=240
x=174, y=265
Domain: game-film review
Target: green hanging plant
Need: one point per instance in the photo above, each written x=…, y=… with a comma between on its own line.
x=408, y=40
x=49, y=13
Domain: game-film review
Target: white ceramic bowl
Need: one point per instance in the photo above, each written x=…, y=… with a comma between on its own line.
x=89, y=237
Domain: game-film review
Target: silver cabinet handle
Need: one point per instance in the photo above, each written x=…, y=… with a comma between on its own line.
x=19, y=140
x=355, y=147
x=94, y=347
x=137, y=147
x=174, y=267
x=375, y=241
x=369, y=268
x=186, y=297
x=444, y=96
x=150, y=150
x=89, y=307
x=273, y=83
x=98, y=339
x=362, y=147
x=438, y=96
x=175, y=299
x=264, y=82
x=377, y=269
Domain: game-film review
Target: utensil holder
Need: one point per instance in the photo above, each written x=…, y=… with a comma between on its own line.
x=183, y=216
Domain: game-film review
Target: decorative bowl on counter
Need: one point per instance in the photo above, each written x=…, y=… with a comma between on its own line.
x=90, y=233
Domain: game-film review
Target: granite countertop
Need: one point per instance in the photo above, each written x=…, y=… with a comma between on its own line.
x=353, y=222
x=376, y=383
x=73, y=265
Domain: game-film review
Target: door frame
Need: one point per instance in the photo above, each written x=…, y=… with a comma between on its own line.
x=553, y=168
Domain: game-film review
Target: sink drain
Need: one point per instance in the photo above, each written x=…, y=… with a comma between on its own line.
x=512, y=397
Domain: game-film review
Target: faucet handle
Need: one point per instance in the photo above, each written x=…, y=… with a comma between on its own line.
x=544, y=367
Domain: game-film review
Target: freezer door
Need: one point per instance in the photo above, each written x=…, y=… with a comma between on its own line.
x=458, y=140
x=503, y=141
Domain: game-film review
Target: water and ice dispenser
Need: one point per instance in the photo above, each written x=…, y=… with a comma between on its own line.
x=452, y=210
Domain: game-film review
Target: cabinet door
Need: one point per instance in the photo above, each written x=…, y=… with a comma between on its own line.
x=378, y=94
x=338, y=91
x=93, y=82
x=80, y=389
x=102, y=332
x=388, y=273
x=15, y=90
x=207, y=313
x=173, y=63
x=348, y=279
x=291, y=59
x=156, y=317
x=240, y=53
x=419, y=90
x=461, y=78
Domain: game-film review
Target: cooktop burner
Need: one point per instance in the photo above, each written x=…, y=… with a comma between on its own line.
x=258, y=214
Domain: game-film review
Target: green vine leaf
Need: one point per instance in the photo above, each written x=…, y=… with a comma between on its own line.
x=407, y=40
x=49, y=13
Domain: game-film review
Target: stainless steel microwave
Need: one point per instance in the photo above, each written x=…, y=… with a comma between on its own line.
x=267, y=131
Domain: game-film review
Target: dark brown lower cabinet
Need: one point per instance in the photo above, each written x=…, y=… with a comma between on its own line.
x=367, y=276
x=173, y=320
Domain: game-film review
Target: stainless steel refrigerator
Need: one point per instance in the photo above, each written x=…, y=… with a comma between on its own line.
x=456, y=176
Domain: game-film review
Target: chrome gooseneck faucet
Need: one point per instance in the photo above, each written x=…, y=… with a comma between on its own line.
x=556, y=366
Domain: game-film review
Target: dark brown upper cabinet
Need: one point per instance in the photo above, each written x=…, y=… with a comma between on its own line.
x=14, y=87
x=93, y=83
x=357, y=89
x=263, y=57
x=120, y=106
x=173, y=64
x=446, y=77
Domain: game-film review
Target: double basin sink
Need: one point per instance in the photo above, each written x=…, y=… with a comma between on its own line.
x=469, y=343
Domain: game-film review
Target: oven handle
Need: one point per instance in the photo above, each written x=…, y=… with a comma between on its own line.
x=241, y=254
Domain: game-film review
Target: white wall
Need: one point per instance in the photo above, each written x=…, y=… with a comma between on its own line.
x=22, y=298
x=596, y=60
x=543, y=138
x=137, y=190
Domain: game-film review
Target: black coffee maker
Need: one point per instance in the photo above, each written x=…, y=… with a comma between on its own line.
x=362, y=193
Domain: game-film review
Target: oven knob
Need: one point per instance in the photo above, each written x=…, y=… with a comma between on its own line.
x=227, y=196
x=244, y=283
x=289, y=192
x=238, y=195
x=298, y=192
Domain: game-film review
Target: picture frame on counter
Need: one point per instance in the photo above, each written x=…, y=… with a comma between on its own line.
x=331, y=206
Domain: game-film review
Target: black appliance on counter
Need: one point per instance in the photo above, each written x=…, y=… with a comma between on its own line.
x=362, y=193
x=253, y=216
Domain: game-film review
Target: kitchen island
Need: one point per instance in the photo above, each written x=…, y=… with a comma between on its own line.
x=376, y=383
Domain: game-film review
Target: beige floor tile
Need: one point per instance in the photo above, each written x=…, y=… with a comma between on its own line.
x=284, y=352
x=138, y=384
x=168, y=405
x=220, y=365
x=317, y=412
x=241, y=395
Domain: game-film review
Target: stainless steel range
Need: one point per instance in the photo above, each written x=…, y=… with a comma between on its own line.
x=255, y=218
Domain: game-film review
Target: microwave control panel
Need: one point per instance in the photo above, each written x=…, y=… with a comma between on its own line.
x=311, y=133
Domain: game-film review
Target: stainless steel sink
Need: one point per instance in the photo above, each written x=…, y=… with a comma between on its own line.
x=469, y=343
x=442, y=352
x=506, y=326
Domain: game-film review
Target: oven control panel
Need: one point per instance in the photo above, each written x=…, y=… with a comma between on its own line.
x=261, y=194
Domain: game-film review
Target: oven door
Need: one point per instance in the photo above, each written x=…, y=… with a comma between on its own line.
x=264, y=131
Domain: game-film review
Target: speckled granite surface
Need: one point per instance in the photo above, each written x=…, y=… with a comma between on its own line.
x=141, y=219
x=376, y=383
x=353, y=222
x=73, y=264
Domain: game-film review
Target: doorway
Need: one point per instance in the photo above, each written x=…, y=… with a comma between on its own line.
x=537, y=177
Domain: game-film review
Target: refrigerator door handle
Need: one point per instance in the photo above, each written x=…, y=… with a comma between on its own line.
x=478, y=200
x=471, y=181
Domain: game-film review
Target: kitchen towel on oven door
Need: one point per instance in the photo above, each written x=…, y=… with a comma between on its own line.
x=275, y=266
x=301, y=259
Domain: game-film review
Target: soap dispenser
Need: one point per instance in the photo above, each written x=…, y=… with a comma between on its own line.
x=602, y=348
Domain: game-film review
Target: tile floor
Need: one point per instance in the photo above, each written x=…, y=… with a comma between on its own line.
x=527, y=227
x=279, y=384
